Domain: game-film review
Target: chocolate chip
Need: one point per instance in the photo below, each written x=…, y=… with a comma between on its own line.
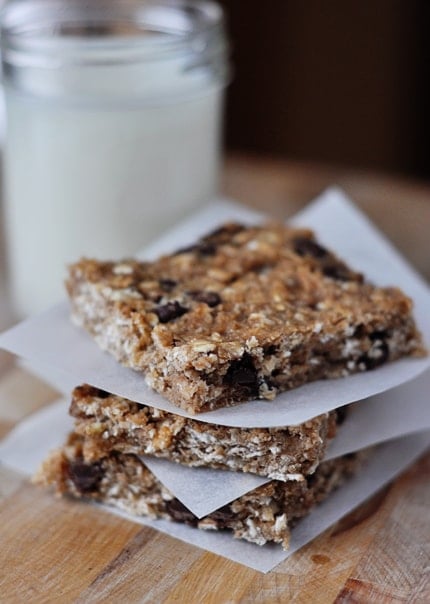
x=222, y=516
x=99, y=393
x=350, y=456
x=341, y=413
x=337, y=270
x=180, y=513
x=271, y=349
x=85, y=477
x=378, y=335
x=210, y=298
x=243, y=375
x=168, y=312
x=311, y=480
x=329, y=264
x=303, y=246
x=205, y=248
x=359, y=331
x=167, y=284
x=376, y=357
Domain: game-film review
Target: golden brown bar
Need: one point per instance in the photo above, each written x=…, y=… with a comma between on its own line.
x=245, y=313
x=111, y=423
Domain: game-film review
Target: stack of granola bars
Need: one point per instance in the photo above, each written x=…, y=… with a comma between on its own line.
x=245, y=313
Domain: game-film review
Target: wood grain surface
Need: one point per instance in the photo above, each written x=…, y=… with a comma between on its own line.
x=62, y=551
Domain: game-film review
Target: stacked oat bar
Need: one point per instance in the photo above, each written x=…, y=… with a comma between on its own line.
x=244, y=313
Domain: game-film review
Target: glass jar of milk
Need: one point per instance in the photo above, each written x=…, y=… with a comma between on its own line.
x=113, y=129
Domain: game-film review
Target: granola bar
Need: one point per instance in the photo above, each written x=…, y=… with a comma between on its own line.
x=263, y=515
x=111, y=423
x=245, y=313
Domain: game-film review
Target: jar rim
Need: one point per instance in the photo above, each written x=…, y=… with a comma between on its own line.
x=49, y=33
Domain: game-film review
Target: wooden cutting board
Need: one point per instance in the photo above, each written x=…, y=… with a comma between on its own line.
x=60, y=551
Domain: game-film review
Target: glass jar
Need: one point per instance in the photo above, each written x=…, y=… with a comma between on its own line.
x=113, y=129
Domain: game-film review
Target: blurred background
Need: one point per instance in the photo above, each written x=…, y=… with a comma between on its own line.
x=339, y=82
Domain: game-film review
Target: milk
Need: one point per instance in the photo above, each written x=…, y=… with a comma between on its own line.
x=113, y=128
x=99, y=182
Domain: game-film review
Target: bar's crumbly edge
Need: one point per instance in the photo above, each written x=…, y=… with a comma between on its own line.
x=263, y=515
x=246, y=313
x=112, y=423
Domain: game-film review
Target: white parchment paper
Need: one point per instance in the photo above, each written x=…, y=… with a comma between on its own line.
x=27, y=445
x=51, y=340
x=401, y=411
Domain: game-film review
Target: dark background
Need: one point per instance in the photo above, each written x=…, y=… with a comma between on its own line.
x=337, y=81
